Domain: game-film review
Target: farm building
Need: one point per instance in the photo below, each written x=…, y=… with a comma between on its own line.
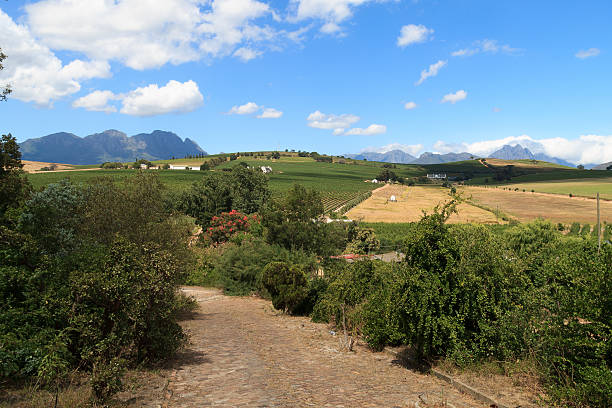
x=393, y=199
x=174, y=167
x=266, y=169
x=436, y=176
x=375, y=181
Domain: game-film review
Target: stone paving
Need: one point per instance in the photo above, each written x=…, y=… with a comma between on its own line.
x=245, y=354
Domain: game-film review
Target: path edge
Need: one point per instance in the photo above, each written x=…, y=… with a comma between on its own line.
x=459, y=385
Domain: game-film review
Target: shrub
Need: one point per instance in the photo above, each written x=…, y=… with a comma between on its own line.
x=362, y=241
x=574, y=228
x=224, y=226
x=286, y=284
x=586, y=230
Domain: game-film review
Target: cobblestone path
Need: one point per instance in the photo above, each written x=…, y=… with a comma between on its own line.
x=245, y=354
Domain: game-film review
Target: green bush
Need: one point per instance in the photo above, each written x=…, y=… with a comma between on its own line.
x=286, y=285
x=574, y=229
x=586, y=230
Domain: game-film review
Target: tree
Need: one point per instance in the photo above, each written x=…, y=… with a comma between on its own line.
x=293, y=222
x=286, y=284
x=580, y=167
x=249, y=189
x=14, y=187
x=6, y=90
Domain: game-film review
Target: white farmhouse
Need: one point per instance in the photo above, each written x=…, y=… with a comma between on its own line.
x=437, y=176
x=266, y=169
x=175, y=167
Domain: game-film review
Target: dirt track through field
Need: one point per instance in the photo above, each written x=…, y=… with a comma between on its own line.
x=243, y=353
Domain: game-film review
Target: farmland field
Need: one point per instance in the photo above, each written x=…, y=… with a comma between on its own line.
x=586, y=187
x=527, y=206
x=411, y=202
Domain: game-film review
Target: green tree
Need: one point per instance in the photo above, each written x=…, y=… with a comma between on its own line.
x=286, y=284
x=5, y=90
x=206, y=198
x=250, y=189
x=293, y=222
x=14, y=186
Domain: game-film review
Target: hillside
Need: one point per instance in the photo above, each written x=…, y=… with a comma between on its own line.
x=110, y=145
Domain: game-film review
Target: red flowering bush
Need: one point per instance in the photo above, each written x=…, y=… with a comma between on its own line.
x=224, y=226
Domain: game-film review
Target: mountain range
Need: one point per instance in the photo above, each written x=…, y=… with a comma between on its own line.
x=110, y=145
x=507, y=152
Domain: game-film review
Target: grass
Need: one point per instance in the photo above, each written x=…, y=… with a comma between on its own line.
x=411, y=202
x=585, y=187
x=527, y=206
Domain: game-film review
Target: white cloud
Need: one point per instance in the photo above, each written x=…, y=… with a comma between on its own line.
x=431, y=71
x=371, y=130
x=586, y=149
x=410, y=105
x=410, y=149
x=251, y=108
x=412, y=34
x=96, y=101
x=321, y=120
x=246, y=109
x=331, y=12
x=270, y=113
x=454, y=98
x=149, y=33
x=174, y=97
x=35, y=73
x=246, y=54
x=591, y=52
x=485, y=46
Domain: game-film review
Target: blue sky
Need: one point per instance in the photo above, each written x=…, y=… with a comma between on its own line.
x=333, y=76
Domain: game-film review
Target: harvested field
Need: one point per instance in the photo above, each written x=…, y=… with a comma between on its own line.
x=529, y=206
x=34, y=166
x=411, y=201
x=577, y=187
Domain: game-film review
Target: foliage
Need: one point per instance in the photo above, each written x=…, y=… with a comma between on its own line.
x=224, y=226
x=293, y=222
x=388, y=175
x=245, y=190
x=4, y=90
x=14, y=187
x=362, y=241
x=286, y=285
x=112, y=165
x=89, y=281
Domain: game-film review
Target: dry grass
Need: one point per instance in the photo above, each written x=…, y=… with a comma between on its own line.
x=514, y=384
x=142, y=389
x=527, y=206
x=411, y=202
x=34, y=166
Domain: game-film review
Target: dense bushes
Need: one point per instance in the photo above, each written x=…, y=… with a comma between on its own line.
x=469, y=293
x=286, y=284
x=88, y=280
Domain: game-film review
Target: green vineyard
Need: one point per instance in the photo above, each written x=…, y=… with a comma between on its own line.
x=342, y=201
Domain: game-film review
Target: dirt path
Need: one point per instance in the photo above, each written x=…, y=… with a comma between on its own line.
x=244, y=354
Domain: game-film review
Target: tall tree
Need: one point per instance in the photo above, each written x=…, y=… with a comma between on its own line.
x=5, y=90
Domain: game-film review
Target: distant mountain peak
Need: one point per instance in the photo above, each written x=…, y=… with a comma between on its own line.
x=109, y=145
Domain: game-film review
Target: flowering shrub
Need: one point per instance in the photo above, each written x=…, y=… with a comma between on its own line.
x=224, y=226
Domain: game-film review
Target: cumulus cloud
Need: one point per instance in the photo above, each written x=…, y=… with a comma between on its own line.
x=251, y=108
x=410, y=149
x=247, y=109
x=321, y=120
x=591, y=52
x=174, y=97
x=331, y=12
x=373, y=129
x=35, y=73
x=410, y=105
x=586, y=149
x=454, y=97
x=485, y=46
x=412, y=34
x=270, y=113
x=146, y=34
x=431, y=71
x=97, y=101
